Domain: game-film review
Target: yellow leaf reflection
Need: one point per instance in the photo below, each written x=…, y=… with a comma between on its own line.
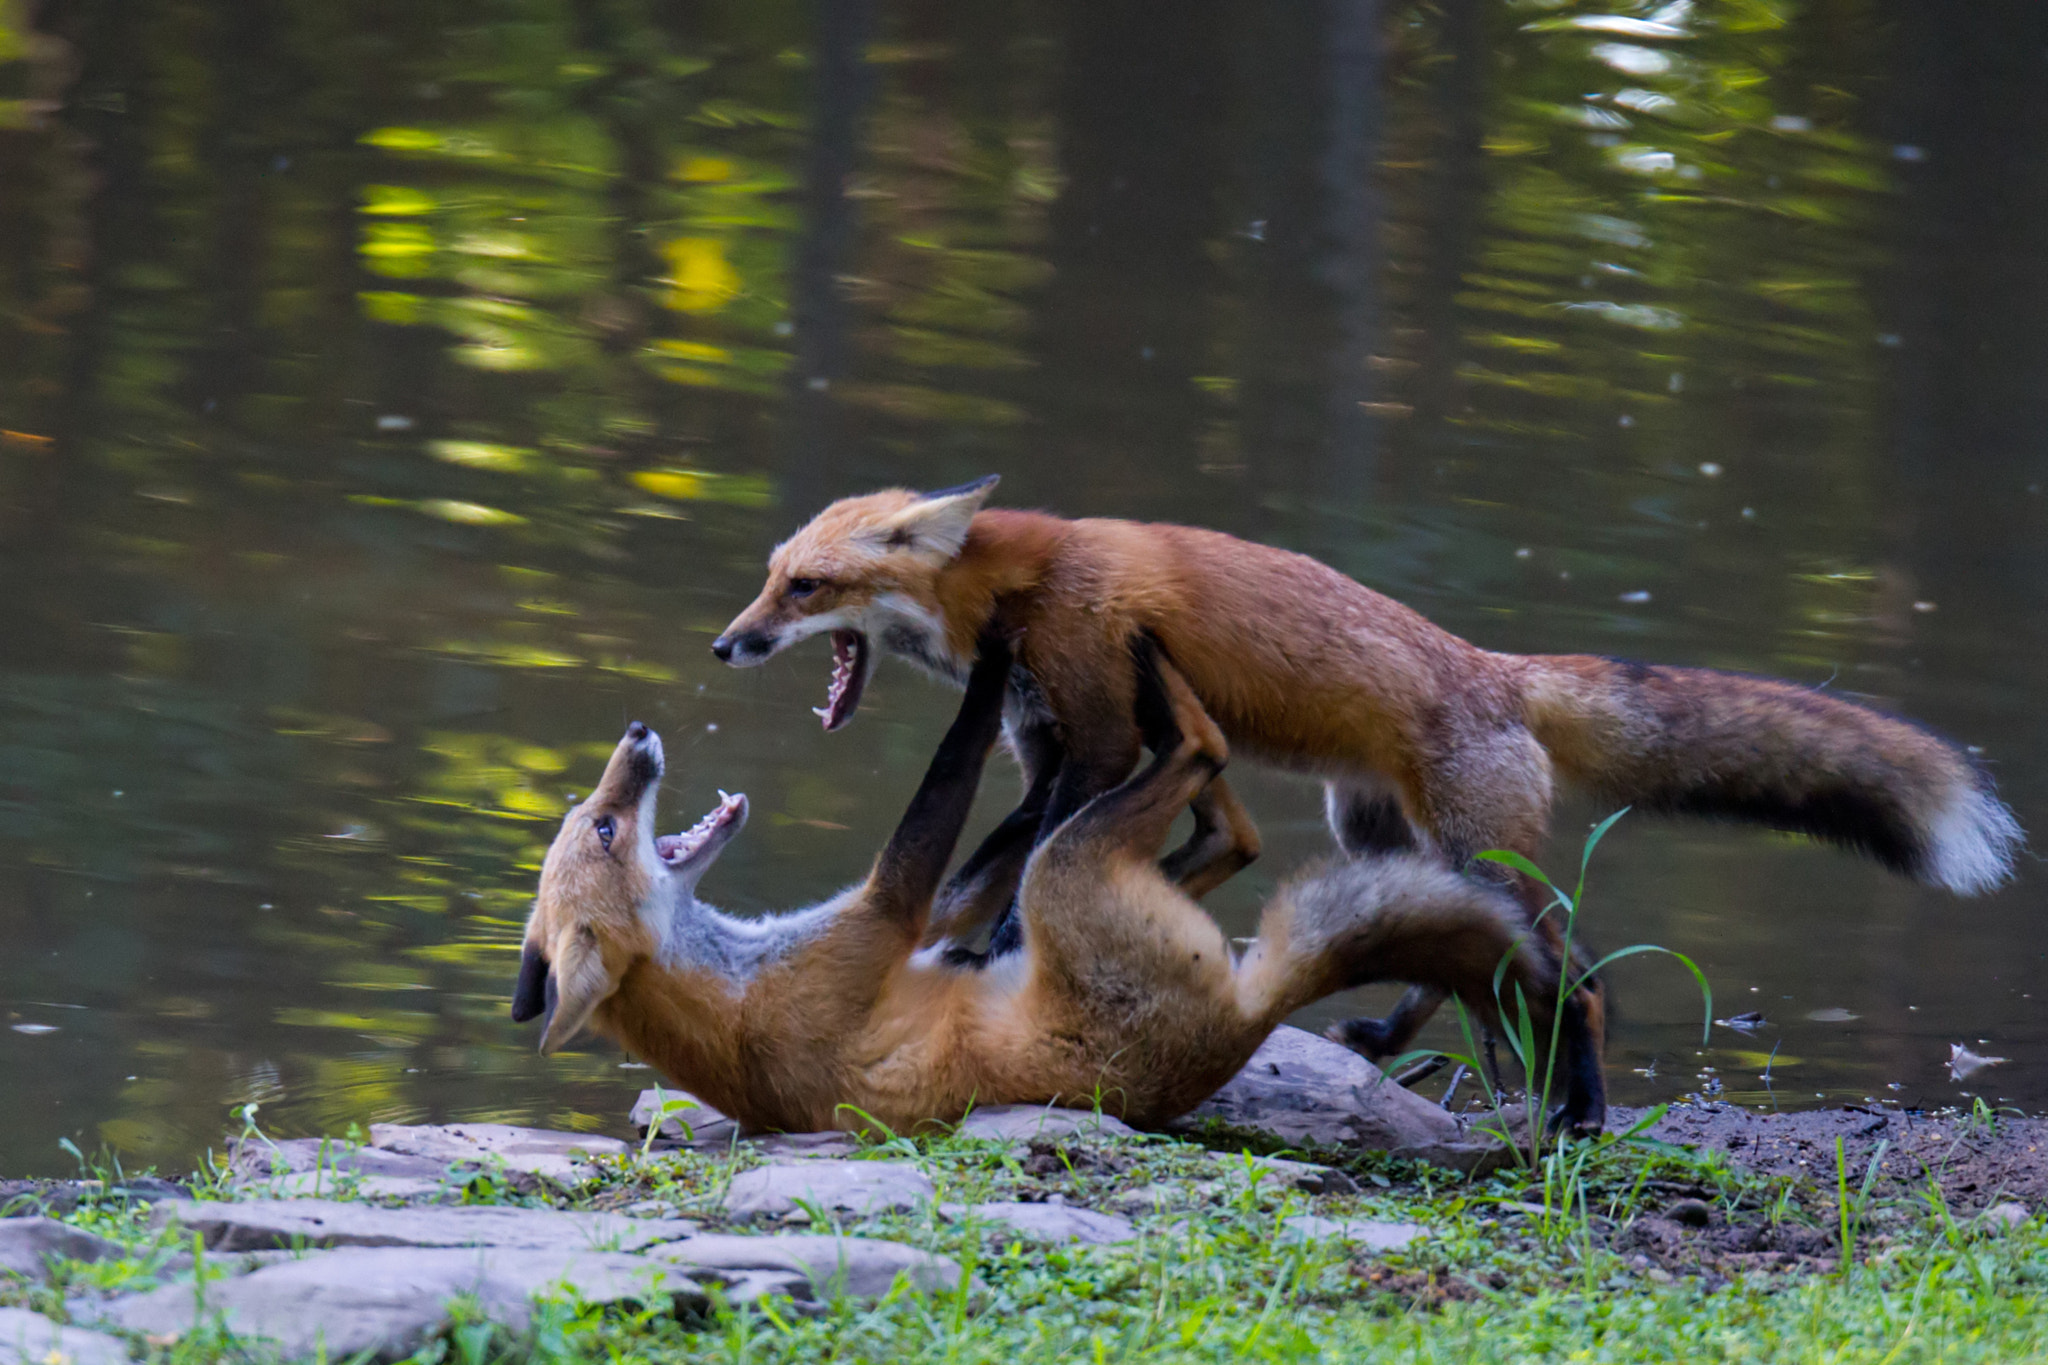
x=701, y=280
x=481, y=455
x=704, y=169
x=469, y=513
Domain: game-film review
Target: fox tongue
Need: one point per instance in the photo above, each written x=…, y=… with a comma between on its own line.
x=849, y=678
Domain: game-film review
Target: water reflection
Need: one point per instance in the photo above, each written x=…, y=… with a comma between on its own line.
x=394, y=402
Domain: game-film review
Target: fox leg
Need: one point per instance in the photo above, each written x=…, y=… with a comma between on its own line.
x=1098, y=751
x=906, y=875
x=984, y=886
x=1366, y=817
x=1490, y=789
x=1378, y=1039
x=1117, y=836
x=1129, y=981
x=1225, y=839
x=1224, y=843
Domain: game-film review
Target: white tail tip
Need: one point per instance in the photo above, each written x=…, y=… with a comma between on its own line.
x=1971, y=843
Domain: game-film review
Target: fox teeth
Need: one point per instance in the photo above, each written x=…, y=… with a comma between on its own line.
x=822, y=713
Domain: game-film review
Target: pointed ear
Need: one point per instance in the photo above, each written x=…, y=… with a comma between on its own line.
x=581, y=984
x=936, y=525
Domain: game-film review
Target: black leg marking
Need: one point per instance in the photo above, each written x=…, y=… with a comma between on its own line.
x=916, y=855
x=991, y=873
x=1585, y=1083
x=1372, y=823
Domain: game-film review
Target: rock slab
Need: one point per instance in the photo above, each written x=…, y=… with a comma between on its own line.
x=858, y=1267
x=1039, y=1123
x=27, y=1243
x=309, y=1166
x=535, y=1151
x=695, y=1123
x=263, y=1224
x=1363, y=1233
x=31, y=1339
x=1304, y=1089
x=389, y=1301
x=858, y=1187
x=1048, y=1222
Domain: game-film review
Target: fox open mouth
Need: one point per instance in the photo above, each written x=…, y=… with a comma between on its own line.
x=849, y=678
x=707, y=836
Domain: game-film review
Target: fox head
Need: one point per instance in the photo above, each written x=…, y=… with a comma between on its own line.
x=609, y=889
x=863, y=567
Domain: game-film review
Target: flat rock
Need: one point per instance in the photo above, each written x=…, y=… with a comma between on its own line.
x=2005, y=1215
x=1037, y=1122
x=858, y=1267
x=19, y=1198
x=698, y=1125
x=1304, y=1089
x=298, y=1167
x=260, y=1224
x=535, y=1151
x=320, y=1184
x=27, y=1243
x=1302, y=1175
x=1162, y=1196
x=800, y=1146
x=31, y=1339
x=1359, y=1232
x=702, y=1128
x=390, y=1301
x=834, y=1186
x=1048, y=1222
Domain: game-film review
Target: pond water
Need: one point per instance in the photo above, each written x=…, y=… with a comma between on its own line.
x=397, y=398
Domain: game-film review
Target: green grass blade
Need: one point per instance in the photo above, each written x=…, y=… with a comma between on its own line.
x=1507, y=857
x=1592, y=842
x=1706, y=991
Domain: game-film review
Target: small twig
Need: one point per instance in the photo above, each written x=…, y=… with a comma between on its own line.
x=1421, y=1071
x=1457, y=1079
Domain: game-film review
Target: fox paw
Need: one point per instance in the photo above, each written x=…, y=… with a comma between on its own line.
x=1579, y=1118
x=1371, y=1039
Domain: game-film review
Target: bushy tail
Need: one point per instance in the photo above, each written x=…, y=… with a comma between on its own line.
x=1395, y=917
x=1696, y=741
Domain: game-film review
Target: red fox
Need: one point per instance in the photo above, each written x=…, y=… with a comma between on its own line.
x=1125, y=992
x=1423, y=740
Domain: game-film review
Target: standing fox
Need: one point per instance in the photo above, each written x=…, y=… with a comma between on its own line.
x=1423, y=740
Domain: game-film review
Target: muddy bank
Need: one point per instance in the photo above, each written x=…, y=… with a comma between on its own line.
x=1975, y=1161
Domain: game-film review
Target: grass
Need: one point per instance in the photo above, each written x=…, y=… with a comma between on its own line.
x=1543, y=1263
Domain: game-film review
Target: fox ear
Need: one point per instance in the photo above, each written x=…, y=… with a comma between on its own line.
x=581, y=983
x=936, y=524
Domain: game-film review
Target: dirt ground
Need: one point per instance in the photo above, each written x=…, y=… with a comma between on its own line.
x=1977, y=1162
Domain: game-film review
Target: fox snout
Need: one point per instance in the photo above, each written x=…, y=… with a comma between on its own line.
x=744, y=648
x=645, y=761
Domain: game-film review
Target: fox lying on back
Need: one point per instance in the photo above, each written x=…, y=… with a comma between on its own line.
x=1423, y=739
x=1126, y=994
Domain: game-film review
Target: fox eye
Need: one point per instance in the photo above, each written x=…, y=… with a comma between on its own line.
x=605, y=830
x=804, y=587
